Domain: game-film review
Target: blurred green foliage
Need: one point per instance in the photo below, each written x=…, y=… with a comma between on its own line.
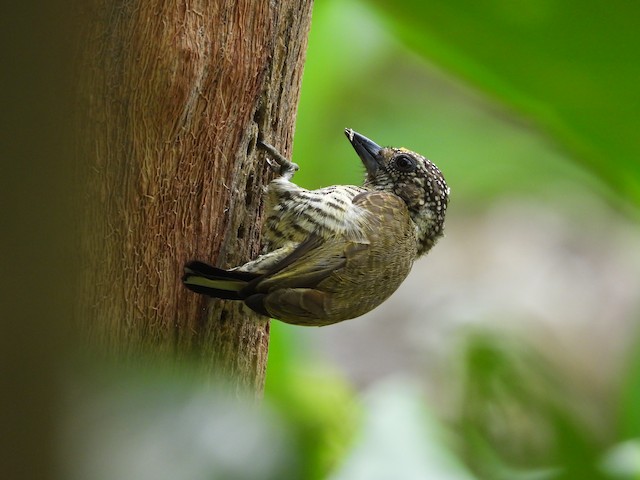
x=515, y=98
x=571, y=66
x=358, y=75
x=519, y=417
x=319, y=405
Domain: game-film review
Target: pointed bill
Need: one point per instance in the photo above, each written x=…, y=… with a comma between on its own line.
x=367, y=150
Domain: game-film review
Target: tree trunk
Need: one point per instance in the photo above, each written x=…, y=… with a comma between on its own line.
x=174, y=95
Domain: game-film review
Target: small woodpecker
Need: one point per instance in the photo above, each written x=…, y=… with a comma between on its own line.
x=337, y=252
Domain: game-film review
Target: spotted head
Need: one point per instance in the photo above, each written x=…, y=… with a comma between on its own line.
x=411, y=177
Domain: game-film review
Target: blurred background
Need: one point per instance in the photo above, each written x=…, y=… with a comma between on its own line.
x=512, y=351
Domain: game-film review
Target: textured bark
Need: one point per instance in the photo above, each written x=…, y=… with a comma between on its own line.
x=174, y=96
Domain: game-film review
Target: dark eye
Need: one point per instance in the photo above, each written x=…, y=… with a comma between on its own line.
x=405, y=163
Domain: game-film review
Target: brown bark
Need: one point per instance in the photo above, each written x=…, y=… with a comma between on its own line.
x=174, y=96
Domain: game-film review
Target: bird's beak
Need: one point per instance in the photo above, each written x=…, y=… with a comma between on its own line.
x=367, y=150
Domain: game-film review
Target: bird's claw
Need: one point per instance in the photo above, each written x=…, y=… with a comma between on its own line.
x=277, y=161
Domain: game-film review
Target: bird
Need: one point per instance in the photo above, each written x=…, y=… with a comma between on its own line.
x=335, y=253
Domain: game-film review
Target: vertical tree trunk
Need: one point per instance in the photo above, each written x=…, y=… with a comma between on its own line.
x=175, y=94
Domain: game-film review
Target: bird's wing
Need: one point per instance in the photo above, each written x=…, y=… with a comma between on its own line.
x=384, y=210
x=318, y=257
x=295, y=292
x=308, y=264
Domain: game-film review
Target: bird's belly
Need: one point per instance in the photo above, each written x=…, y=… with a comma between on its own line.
x=359, y=289
x=348, y=293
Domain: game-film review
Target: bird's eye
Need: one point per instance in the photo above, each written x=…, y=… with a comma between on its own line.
x=405, y=163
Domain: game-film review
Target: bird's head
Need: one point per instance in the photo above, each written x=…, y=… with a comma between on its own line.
x=410, y=176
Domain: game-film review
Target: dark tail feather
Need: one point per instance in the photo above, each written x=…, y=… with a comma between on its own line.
x=215, y=282
x=206, y=270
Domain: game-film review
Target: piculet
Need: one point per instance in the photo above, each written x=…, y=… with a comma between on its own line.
x=337, y=252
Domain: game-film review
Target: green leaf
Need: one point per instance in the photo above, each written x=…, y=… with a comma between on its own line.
x=571, y=66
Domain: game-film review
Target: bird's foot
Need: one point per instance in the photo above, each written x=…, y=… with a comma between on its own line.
x=282, y=166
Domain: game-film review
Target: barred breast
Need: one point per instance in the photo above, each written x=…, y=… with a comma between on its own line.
x=293, y=213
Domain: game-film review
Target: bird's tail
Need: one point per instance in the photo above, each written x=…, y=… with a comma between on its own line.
x=216, y=282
